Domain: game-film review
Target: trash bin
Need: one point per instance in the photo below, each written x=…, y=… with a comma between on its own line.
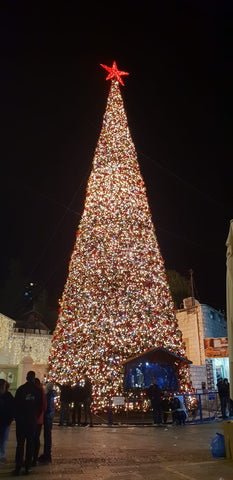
x=217, y=446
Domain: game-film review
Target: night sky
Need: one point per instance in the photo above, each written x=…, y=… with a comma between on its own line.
x=178, y=99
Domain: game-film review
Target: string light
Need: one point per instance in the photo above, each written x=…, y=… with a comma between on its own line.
x=116, y=301
x=18, y=345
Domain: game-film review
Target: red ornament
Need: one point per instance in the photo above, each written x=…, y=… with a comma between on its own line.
x=114, y=72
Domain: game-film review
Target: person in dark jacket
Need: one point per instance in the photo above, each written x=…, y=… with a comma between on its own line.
x=154, y=393
x=28, y=407
x=6, y=416
x=87, y=393
x=165, y=406
x=65, y=400
x=227, y=392
x=46, y=457
x=223, y=394
x=77, y=399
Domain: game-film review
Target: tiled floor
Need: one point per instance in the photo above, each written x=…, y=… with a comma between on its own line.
x=129, y=453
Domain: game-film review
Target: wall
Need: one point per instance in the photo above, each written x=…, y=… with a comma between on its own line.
x=6, y=335
x=190, y=323
x=35, y=345
x=214, y=322
x=198, y=375
x=21, y=352
x=10, y=374
x=197, y=322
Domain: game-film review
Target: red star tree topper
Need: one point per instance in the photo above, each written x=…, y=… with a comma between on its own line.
x=114, y=72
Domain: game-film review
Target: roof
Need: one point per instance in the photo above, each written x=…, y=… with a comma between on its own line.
x=158, y=354
x=32, y=320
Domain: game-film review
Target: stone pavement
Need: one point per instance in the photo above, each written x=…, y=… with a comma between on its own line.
x=129, y=453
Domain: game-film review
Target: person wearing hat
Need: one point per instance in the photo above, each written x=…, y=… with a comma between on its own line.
x=28, y=407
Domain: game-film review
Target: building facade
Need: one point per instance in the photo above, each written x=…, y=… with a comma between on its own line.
x=204, y=331
x=22, y=349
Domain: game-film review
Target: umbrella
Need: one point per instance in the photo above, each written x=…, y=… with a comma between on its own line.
x=229, y=295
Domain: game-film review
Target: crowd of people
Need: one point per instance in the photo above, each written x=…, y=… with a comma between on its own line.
x=162, y=405
x=76, y=396
x=33, y=408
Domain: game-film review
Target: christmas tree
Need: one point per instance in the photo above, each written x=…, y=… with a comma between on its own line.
x=116, y=302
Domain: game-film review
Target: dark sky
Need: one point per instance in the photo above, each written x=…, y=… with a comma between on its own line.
x=178, y=99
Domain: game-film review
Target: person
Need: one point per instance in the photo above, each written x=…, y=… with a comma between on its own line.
x=40, y=421
x=222, y=391
x=227, y=392
x=165, y=406
x=154, y=393
x=46, y=457
x=179, y=414
x=87, y=400
x=78, y=399
x=28, y=407
x=65, y=399
x=6, y=416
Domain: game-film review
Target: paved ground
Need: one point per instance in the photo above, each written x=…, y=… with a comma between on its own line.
x=129, y=453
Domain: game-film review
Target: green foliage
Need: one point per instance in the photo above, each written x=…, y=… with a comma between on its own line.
x=180, y=287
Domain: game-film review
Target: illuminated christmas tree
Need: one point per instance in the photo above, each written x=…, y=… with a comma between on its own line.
x=116, y=302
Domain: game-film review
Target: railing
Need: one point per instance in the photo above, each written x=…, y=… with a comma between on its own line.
x=129, y=410
x=200, y=407
x=206, y=407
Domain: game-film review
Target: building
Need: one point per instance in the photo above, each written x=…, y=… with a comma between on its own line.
x=204, y=331
x=159, y=363
x=24, y=346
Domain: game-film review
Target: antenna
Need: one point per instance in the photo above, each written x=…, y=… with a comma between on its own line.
x=192, y=285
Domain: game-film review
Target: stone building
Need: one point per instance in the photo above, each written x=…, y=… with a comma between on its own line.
x=204, y=331
x=24, y=346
